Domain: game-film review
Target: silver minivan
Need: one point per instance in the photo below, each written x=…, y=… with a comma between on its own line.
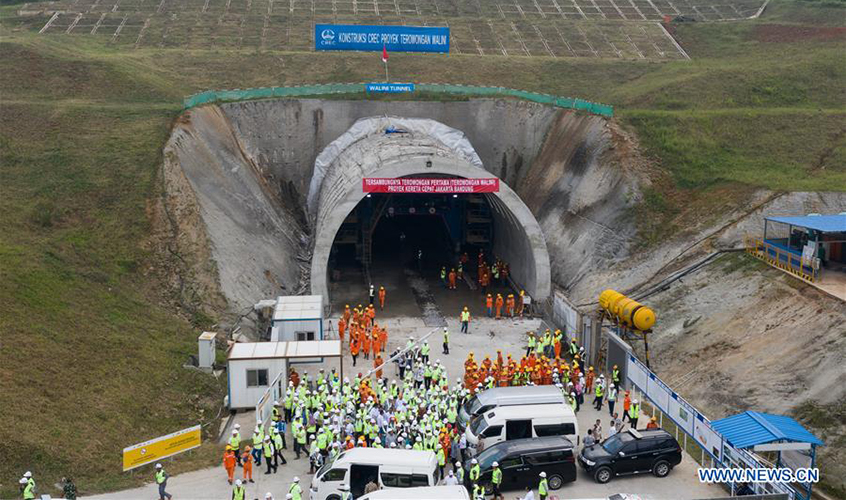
x=508, y=396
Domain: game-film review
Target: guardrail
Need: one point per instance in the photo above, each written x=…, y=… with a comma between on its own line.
x=693, y=424
x=234, y=95
x=781, y=258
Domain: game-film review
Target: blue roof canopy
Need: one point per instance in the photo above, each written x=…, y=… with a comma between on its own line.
x=824, y=223
x=752, y=428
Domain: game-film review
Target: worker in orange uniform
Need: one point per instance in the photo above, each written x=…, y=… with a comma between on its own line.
x=489, y=305
x=509, y=305
x=365, y=345
x=355, y=346
x=375, y=344
x=520, y=303
x=499, y=303
x=342, y=327
x=347, y=313
x=229, y=463
x=452, y=277
x=294, y=377
x=589, y=380
x=247, y=458
x=382, y=293
x=383, y=338
x=627, y=404
x=377, y=364
x=557, y=338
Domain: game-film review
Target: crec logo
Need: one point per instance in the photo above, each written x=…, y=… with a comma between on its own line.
x=327, y=35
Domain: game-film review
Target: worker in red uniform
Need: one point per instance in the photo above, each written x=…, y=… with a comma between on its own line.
x=355, y=346
x=382, y=293
x=452, y=277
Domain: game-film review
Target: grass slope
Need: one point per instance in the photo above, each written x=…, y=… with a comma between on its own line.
x=90, y=355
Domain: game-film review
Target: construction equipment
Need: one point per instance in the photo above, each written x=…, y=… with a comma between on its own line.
x=632, y=319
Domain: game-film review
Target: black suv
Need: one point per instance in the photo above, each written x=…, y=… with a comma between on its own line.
x=522, y=461
x=631, y=452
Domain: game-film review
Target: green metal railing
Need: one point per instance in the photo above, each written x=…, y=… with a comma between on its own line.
x=215, y=96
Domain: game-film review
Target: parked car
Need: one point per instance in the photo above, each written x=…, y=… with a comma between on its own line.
x=522, y=460
x=631, y=452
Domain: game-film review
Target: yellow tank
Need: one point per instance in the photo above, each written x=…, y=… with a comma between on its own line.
x=643, y=318
x=629, y=312
x=606, y=298
x=620, y=306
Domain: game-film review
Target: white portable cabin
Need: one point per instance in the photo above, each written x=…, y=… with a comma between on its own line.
x=253, y=366
x=297, y=318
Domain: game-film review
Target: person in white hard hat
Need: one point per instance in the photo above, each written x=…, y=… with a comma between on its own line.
x=634, y=413
x=27, y=489
x=451, y=480
x=268, y=496
x=161, y=480
x=295, y=492
x=543, y=487
x=239, y=492
x=345, y=492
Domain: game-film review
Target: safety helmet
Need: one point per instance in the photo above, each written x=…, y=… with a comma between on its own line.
x=296, y=479
x=474, y=461
x=238, y=426
x=268, y=495
x=458, y=464
x=495, y=464
x=158, y=466
x=542, y=474
x=234, y=431
x=237, y=482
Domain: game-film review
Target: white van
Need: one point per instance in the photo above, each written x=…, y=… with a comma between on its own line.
x=520, y=422
x=508, y=396
x=388, y=468
x=426, y=493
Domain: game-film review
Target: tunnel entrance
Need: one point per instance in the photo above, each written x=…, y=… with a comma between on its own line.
x=404, y=241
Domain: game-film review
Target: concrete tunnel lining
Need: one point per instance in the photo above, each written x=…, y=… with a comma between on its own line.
x=523, y=244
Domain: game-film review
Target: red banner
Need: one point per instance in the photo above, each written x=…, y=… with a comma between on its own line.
x=428, y=185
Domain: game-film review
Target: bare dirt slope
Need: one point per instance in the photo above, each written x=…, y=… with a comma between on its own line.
x=739, y=335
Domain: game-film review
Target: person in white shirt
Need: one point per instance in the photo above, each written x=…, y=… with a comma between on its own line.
x=530, y=495
x=451, y=480
x=612, y=429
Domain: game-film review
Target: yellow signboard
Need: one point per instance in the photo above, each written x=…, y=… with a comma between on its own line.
x=161, y=447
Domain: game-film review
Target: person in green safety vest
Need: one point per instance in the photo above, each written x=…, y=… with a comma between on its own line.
x=424, y=351
x=496, y=481
x=572, y=400
x=441, y=461
x=543, y=487
x=465, y=320
x=258, y=439
x=28, y=486
x=300, y=443
x=574, y=348
x=446, y=340
x=275, y=413
x=475, y=470
x=238, y=491
x=277, y=448
x=444, y=277
x=459, y=472
x=345, y=492
x=478, y=492
x=615, y=376
x=268, y=452
x=161, y=481
x=235, y=444
x=599, y=393
x=530, y=345
x=296, y=490
x=634, y=413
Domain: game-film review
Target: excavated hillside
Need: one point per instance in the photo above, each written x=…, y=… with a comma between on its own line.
x=735, y=335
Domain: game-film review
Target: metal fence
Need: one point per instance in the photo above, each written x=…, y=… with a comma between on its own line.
x=215, y=96
x=695, y=425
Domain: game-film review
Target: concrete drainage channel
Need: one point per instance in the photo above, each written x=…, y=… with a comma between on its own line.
x=429, y=310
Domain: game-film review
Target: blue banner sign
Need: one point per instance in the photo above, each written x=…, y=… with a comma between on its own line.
x=373, y=38
x=390, y=88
